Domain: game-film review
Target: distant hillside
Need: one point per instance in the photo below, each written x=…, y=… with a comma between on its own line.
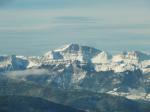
x=80, y=99
x=31, y=104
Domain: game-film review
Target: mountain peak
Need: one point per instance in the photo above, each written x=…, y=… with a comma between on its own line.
x=73, y=52
x=74, y=48
x=138, y=55
x=63, y=48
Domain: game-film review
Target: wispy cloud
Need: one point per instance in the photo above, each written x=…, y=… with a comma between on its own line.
x=35, y=28
x=21, y=75
x=75, y=20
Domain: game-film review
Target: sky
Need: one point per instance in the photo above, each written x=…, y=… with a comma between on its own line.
x=33, y=27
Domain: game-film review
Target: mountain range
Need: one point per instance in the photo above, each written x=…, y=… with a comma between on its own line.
x=83, y=75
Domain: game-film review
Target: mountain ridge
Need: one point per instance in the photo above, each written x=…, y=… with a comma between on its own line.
x=84, y=54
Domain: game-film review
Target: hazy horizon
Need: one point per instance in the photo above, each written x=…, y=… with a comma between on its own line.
x=33, y=27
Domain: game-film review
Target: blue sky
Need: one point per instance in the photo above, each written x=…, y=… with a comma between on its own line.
x=32, y=27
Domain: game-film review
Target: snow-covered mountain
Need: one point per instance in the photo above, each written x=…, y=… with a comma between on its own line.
x=73, y=52
x=82, y=67
x=101, y=60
